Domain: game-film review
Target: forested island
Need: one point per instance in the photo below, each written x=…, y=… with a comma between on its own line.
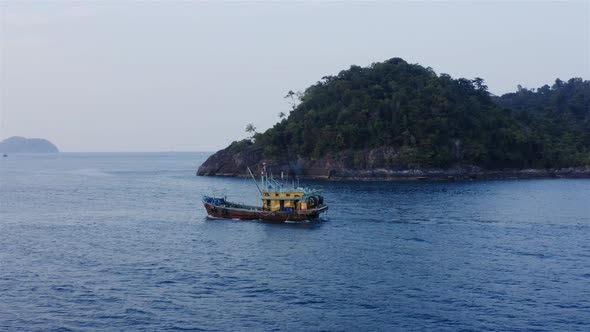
x=395, y=120
x=18, y=144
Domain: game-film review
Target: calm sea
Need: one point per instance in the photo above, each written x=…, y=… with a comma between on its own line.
x=120, y=242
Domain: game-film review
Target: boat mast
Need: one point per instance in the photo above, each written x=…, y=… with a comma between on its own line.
x=254, y=179
x=263, y=177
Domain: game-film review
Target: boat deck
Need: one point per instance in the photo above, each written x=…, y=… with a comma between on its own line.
x=223, y=209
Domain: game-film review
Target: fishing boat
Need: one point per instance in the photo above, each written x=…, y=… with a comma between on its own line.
x=280, y=202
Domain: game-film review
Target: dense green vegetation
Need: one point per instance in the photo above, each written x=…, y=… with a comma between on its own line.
x=434, y=120
x=558, y=119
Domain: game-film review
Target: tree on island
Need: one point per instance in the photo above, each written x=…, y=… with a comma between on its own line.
x=293, y=98
x=250, y=129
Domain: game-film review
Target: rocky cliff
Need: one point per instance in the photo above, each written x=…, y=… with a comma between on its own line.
x=384, y=163
x=232, y=161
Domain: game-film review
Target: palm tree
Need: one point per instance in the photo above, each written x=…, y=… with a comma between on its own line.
x=291, y=99
x=250, y=129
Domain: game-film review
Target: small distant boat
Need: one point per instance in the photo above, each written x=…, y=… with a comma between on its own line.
x=280, y=202
x=5, y=155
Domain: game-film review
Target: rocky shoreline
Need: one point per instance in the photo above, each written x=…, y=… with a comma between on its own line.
x=379, y=164
x=461, y=173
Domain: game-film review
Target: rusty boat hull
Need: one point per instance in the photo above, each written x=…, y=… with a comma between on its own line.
x=229, y=210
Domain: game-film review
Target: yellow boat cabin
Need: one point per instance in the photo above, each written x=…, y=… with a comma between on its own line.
x=279, y=196
x=277, y=201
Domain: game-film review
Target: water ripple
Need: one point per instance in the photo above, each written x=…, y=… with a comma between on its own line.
x=119, y=242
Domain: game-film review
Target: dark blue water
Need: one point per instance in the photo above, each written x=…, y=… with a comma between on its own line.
x=120, y=242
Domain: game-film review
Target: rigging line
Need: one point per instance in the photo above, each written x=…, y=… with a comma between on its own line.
x=254, y=179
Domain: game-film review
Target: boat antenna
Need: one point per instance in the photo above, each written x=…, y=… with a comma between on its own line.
x=254, y=179
x=264, y=176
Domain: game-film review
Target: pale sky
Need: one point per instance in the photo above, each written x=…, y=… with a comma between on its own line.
x=189, y=76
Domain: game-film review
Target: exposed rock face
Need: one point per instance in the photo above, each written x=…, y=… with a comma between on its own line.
x=231, y=163
x=17, y=144
x=385, y=163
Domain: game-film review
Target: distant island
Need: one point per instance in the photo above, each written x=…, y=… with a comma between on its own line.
x=395, y=120
x=17, y=144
